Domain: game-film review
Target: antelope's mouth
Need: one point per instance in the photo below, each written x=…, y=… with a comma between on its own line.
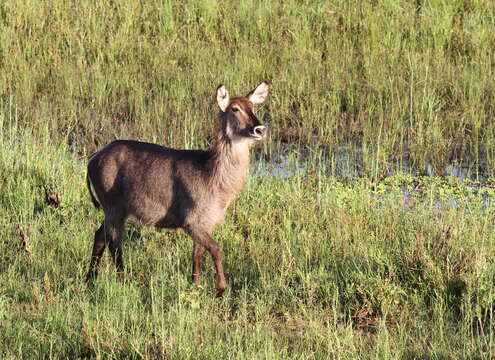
x=259, y=132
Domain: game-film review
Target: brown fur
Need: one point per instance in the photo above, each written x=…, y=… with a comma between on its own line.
x=169, y=188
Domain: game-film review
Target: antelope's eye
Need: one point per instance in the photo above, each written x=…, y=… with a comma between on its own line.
x=235, y=109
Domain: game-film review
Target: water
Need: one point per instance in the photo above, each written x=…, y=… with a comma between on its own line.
x=283, y=164
x=347, y=161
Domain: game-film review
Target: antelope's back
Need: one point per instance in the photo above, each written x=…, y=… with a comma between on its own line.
x=158, y=185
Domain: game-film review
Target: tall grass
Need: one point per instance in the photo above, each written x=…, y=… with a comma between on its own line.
x=318, y=269
x=398, y=79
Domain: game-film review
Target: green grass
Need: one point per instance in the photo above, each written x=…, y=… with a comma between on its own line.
x=318, y=269
x=318, y=266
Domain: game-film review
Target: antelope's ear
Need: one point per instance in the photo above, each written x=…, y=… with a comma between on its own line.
x=223, y=98
x=258, y=95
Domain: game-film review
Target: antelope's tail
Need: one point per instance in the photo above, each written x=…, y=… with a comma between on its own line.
x=94, y=200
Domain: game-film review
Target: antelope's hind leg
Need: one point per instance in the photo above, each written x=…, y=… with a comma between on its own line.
x=109, y=233
x=98, y=249
x=114, y=230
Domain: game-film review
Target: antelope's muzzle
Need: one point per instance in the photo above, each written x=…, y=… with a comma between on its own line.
x=259, y=132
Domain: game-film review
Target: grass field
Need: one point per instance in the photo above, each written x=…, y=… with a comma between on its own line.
x=319, y=266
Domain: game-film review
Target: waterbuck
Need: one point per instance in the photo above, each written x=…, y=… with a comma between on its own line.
x=169, y=188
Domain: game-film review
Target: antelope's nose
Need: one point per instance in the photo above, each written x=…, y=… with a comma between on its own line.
x=260, y=130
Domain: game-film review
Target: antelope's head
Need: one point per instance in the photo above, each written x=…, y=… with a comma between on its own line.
x=238, y=119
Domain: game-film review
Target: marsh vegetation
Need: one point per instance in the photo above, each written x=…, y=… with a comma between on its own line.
x=376, y=262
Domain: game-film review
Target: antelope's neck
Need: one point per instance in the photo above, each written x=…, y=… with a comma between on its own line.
x=229, y=165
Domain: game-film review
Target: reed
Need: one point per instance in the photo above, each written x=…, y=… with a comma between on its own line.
x=397, y=79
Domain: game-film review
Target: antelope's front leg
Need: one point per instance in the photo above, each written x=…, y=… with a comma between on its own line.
x=203, y=238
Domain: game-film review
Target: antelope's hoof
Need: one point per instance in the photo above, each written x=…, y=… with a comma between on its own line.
x=121, y=277
x=221, y=289
x=90, y=281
